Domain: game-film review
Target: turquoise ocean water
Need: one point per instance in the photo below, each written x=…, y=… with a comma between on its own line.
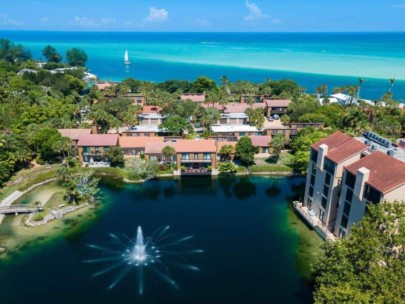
x=310, y=59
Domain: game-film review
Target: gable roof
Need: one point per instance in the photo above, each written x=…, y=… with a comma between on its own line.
x=278, y=103
x=195, y=146
x=137, y=141
x=151, y=109
x=386, y=172
x=340, y=146
x=241, y=108
x=196, y=97
x=260, y=141
x=156, y=147
x=97, y=140
x=74, y=134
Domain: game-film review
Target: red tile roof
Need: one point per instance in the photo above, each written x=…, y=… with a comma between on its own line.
x=340, y=146
x=196, y=97
x=74, y=134
x=151, y=109
x=103, y=85
x=278, y=103
x=97, y=140
x=156, y=147
x=137, y=141
x=241, y=108
x=195, y=146
x=386, y=172
x=260, y=141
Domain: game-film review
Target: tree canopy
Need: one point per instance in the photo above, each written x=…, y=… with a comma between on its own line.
x=369, y=266
x=76, y=57
x=245, y=151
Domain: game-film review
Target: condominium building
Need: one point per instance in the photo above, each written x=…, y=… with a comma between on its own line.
x=374, y=179
x=325, y=171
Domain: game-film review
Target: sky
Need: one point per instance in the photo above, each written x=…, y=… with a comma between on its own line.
x=204, y=15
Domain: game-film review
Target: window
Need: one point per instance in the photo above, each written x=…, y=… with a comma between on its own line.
x=325, y=190
x=324, y=201
x=153, y=157
x=312, y=180
x=242, y=133
x=86, y=149
x=328, y=177
x=329, y=166
x=309, y=203
x=195, y=155
x=321, y=214
x=346, y=209
x=313, y=168
x=350, y=179
x=311, y=191
x=185, y=156
x=207, y=156
x=372, y=194
x=344, y=221
x=349, y=195
x=342, y=233
x=96, y=149
x=314, y=155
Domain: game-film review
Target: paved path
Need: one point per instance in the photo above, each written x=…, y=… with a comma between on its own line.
x=17, y=194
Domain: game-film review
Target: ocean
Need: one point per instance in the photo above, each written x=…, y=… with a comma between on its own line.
x=311, y=59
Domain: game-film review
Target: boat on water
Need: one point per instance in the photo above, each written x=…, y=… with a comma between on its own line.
x=126, y=58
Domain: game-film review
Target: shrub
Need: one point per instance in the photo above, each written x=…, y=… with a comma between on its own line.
x=38, y=217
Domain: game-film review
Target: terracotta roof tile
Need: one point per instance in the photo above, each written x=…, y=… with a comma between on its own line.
x=97, y=140
x=260, y=141
x=74, y=134
x=151, y=109
x=156, y=147
x=340, y=146
x=137, y=141
x=195, y=146
x=241, y=108
x=386, y=172
x=278, y=103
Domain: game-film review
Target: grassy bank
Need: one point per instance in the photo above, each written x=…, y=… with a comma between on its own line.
x=272, y=164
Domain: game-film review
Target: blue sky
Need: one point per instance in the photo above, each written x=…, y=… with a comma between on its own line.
x=203, y=15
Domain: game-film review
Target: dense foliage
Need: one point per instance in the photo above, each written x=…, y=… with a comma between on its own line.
x=369, y=267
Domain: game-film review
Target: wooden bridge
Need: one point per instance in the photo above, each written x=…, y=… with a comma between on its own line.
x=13, y=209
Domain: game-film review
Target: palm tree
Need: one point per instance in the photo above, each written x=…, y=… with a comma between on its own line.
x=226, y=151
x=361, y=80
x=168, y=151
x=391, y=80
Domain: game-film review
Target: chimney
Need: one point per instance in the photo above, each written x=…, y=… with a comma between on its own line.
x=361, y=178
x=322, y=152
x=94, y=129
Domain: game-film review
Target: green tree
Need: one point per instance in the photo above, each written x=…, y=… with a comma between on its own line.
x=203, y=84
x=81, y=184
x=285, y=119
x=76, y=57
x=115, y=156
x=322, y=90
x=226, y=152
x=245, y=151
x=174, y=125
x=369, y=266
x=256, y=117
x=278, y=143
x=302, y=105
x=169, y=151
x=51, y=54
x=143, y=170
x=227, y=167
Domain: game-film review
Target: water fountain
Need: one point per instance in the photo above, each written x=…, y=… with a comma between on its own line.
x=155, y=253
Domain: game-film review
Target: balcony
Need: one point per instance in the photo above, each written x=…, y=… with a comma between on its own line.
x=313, y=221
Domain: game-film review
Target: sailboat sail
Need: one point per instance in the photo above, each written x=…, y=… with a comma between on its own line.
x=126, y=58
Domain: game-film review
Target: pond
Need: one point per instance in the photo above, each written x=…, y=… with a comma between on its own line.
x=242, y=224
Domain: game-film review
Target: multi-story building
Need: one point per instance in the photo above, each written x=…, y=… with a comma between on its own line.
x=325, y=170
x=92, y=147
x=373, y=179
x=135, y=145
x=196, y=156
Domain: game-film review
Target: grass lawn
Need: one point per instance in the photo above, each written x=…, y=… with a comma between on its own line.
x=24, y=179
x=271, y=164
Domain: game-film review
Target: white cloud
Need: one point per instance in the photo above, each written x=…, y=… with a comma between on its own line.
x=255, y=13
x=7, y=21
x=92, y=23
x=156, y=15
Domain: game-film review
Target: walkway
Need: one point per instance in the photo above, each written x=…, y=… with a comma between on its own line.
x=314, y=222
x=9, y=200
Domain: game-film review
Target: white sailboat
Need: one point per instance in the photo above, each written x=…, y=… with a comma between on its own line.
x=126, y=58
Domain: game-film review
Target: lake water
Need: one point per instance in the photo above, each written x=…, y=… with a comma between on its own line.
x=310, y=59
x=250, y=248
